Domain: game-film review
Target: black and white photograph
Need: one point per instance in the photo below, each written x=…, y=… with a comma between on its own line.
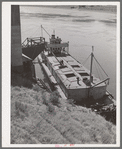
x=61, y=74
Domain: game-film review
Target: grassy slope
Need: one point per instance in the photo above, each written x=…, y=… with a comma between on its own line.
x=67, y=124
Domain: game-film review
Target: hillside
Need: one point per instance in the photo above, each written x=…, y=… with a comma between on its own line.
x=40, y=118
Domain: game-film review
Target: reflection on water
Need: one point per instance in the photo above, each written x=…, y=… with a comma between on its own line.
x=82, y=28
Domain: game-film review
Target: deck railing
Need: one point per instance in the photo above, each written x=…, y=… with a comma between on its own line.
x=31, y=42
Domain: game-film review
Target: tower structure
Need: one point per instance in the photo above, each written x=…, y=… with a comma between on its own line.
x=16, y=49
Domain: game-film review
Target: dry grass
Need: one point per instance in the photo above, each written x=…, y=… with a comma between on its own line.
x=36, y=88
x=34, y=119
x=54, y=98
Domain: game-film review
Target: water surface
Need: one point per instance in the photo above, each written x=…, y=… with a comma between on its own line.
x=82, y=28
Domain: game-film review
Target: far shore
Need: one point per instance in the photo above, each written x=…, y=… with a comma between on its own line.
x=105, y=8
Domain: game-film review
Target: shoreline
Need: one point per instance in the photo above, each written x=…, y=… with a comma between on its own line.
x=104, y=8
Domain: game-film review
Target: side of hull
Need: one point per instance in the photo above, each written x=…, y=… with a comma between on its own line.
x=79, y=94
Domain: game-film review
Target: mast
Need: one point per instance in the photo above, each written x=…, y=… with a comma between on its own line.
x=92, y=55
x=54, y=32
x=41, y=31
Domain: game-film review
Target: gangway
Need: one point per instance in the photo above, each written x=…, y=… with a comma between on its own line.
x=32, y=47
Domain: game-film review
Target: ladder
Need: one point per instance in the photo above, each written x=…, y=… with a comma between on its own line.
x=43, y=85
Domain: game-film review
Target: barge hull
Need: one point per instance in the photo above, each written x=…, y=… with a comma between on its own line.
x=78, y=93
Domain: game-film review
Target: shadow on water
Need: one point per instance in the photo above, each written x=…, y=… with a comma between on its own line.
x=104, y=107
x=83, y=20
x=108, y=21
x=44, y=15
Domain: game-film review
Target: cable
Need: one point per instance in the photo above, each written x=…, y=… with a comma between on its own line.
x=97, y=70
x=101, y=67
x=27, y=30
x=35, y=31
x=101, y=73
x=30, y=28
x=86, y=59
x=45, y=30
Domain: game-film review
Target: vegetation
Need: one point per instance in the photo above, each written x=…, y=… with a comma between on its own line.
x=36, y=119
x=51, y=108
x=54, y=98
x=36, y=88
x=44, y=99
x=71, y=101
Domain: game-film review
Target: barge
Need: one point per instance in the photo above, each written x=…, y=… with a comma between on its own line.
x=75, y=80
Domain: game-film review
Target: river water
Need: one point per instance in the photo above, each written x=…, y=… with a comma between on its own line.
x=82, y=28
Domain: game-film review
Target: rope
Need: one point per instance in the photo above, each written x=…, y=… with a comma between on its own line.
x=97, y=67
x=27, y=30
x=24, y=41
x=101, y=73
x=101, y=67
x=86, y=59
x=97, y=70
x=35, y=31
x=45, y=30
